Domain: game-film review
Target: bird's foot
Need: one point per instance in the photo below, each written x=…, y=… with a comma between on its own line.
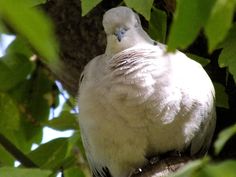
x=154, y=160
x=135, y=172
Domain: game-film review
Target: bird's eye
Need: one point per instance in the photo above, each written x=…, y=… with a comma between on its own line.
x=125, y=29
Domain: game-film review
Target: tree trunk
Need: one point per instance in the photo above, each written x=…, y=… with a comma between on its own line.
x=80, y=39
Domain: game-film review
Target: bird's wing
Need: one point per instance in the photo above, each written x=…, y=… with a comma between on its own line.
x=98, y=170
x=88, y=76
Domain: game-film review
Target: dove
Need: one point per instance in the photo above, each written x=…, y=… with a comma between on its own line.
x=138, y=101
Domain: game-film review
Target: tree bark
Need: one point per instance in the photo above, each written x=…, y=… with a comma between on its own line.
x=80, y=39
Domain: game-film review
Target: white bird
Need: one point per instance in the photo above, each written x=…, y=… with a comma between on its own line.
x=136, y=100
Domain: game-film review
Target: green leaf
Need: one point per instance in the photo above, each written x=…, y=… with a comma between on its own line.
x=13, y=70
x=223, y=169
x=223, y=137
x=6, y=158
x=10, y=122
x=38, y=95
x=34, y=93
x=189, y=169
x=74, y=172
x=19, y=46
x=157, y=25
x=88, y=5
x=50, y=155
x=228, y=54
x=75, y=146
x=220, y=21
x=203, y=61
x=70, y=104
x=189, y=18
x=142, y=6
x=32, y=24
x=32, y=3
x=70, y=160
x=65, y=121
x=9, y=114
x=76, y=140
x=221, y=96
x=2, y=28
x=21, y=172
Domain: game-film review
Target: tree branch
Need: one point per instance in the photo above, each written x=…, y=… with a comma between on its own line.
x=163, y=167
x=15, y=152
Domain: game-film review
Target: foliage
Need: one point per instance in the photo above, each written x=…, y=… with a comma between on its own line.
x=143, y=7
x=28, y=91
x=200, y=168
x=88, y=5
x=224, y=136
x=32, y=24
x=15, y=172
x=228, y=54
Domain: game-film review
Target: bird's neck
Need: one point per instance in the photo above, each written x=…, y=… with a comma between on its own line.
x=114, y=46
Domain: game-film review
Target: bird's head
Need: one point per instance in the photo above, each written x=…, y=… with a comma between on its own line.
x=123, y=29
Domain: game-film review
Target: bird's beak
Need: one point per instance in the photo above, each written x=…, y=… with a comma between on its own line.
x=120, y=33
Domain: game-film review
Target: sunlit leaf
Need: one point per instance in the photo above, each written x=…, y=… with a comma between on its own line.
x=221, y=96
x=189, y=18
x=223, y=137
x=88, y=5
x=158, y=25
x=142, y=6
x=219, y=22
x=21, y=172
x=32, y=24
